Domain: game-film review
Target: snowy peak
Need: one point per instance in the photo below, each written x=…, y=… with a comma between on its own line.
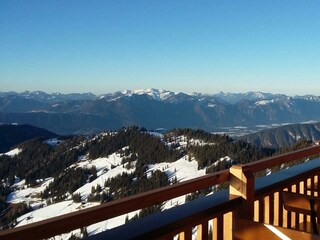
x=250, y=96
x=157, y=94
x=311, y=98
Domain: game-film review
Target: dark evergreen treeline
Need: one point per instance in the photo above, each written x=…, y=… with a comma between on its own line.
x=149, y=149
x=129, y=184
x=8, y=216
x=12, y=134
x=4, y=191
x=67, y=182
x=219, y=146
x=303, y=143
x=240, y=153
x=197, y=134
x=39, y=160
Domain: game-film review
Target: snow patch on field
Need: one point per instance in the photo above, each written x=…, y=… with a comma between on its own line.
x=182, y=170
x=264, y=102
x=224, y=159
x=85, y=190
x=13, y=152
x=53, y=142
x=107, y=168
x=30, y=195
x=101, y=163
x=184, y=141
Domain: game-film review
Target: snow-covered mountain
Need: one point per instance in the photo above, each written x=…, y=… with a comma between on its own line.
x=44, y=178
x=233, y=98
x=50, y=98
x=154, y=108
x=156, y=94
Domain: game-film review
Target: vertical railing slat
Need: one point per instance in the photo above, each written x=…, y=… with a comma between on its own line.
x=256, y=211
x=297, y=215
x=228, y=226
x=271, y=209
x=220, y=227
x=277, y=210
x=202, y=231
x=186, y=234
x=266, y=201
x=261, y=210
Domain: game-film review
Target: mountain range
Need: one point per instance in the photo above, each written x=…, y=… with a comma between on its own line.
x=153, y=108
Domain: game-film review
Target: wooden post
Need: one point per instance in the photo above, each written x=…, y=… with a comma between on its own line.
x=242, y=184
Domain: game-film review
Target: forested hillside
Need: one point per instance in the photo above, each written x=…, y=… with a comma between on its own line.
x=284, y=136
x=13, y=134
x=44, y=175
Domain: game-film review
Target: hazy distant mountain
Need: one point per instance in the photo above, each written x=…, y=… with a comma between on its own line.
x=51, y=98
x=251, y=96
x=285, y=135
x=154, y=108
x=13, y=134
x=19, y=103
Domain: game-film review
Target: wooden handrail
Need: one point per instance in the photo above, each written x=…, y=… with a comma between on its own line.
x=166, y=224
x=82, y=218
x=280, y=180
x=270, y=162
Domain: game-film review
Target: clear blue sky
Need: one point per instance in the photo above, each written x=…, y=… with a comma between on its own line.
x=182, y=45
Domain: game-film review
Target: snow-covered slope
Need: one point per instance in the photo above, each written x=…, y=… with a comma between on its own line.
x=102, y=167
x=107, y=168
x=181, y=170
x=12, y=152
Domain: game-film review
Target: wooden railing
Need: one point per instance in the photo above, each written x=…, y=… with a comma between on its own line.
x=82, y=218
x=247, y=198
x=268, y=202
